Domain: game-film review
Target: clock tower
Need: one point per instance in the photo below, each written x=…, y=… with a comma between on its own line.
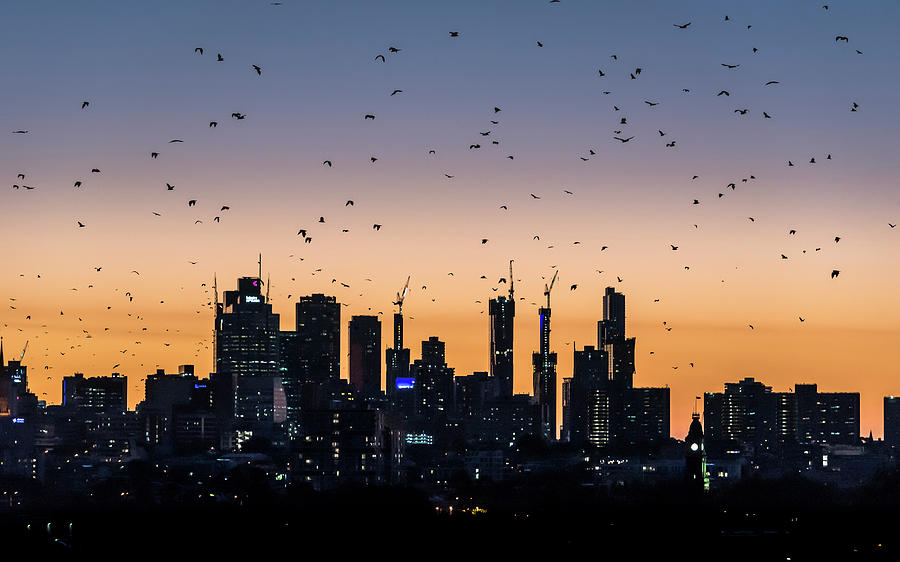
x=695, y=458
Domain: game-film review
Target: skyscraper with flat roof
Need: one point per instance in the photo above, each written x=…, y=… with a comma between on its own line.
x=502, y=314
x=892, y=420
x=319, y=338
x=365, y=354
x=544, y=363
x=434, y=387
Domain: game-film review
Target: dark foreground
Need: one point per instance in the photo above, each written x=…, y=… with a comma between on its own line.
x=782, y=520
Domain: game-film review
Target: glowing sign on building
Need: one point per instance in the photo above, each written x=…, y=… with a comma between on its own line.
x=405, y=383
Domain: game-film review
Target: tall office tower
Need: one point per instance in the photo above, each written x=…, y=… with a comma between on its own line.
x=544, y=362
x=502, y=312
x=565, y=430
x=365, y=355
x=613, y=324
x=96, y=394
x=695, y=457
x=611, y=338
x=246, y=332
x=14, y=395
x=826, y=417
x=319, y=338
x=589, y=375
x=892, y=420
x=397, y=360
x=434, y=381
x=291, y=381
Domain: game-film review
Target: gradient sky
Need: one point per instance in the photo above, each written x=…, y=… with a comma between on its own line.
x=135, y=63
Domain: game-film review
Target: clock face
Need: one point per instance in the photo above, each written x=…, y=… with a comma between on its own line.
x=694, y=446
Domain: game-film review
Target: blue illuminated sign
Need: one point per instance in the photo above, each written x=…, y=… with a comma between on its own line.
x=405, y=383
x=18, y=420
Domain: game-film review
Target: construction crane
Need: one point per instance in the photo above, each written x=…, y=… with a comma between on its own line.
x=511, y=281
x=401, y=296
x=549, y=288
x=23, y=351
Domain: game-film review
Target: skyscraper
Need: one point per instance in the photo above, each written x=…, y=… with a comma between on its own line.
x=13, y=385
x=397, y=358
x=611, y=338
x=544, y=363
x=502, y=312
x=892, y=420
x=319, y=338
x=589, y=376
x=613, y=324
x=365, y=354
x=434, y=381
x=248, y=359
x=246, y=332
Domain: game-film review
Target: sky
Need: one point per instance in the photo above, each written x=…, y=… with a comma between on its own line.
x=147, y=306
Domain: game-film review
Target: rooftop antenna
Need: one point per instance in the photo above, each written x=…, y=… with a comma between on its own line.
x=267, y=287
x=511, y=281
x=260, y=267
x=215, y=289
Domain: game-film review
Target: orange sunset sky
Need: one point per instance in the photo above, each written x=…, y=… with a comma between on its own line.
x=146, y=85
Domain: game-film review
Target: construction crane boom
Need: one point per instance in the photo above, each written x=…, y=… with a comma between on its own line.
x=549, y=288
x=23, y=351
x=401, y=296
